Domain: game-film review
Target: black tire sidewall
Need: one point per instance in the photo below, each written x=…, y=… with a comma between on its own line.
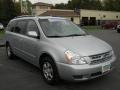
x=55, y=78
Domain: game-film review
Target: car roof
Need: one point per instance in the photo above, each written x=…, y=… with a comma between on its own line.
x=49, y=17
x=36, y=17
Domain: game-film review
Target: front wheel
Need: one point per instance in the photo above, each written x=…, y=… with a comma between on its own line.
x=49, y=71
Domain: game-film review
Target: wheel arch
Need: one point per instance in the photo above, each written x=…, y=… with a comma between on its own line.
x=46, y=54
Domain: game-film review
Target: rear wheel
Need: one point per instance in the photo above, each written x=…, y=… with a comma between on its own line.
x=9, y=52
x=49, y=70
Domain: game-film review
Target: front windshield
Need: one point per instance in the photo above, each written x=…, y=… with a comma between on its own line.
x=60, y=28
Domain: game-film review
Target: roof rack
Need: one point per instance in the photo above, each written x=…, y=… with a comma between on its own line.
x=25, y=16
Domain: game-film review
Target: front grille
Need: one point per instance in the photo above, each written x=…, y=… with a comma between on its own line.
x=100, y=58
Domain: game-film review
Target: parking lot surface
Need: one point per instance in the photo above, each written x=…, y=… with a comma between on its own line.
x=20, y=75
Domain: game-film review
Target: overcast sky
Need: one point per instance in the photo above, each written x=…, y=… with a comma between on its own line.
x=50, y=1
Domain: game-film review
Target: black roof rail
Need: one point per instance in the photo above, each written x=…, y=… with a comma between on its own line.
x=25, y=16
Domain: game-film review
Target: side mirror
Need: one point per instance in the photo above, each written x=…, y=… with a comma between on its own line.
x=33, y=34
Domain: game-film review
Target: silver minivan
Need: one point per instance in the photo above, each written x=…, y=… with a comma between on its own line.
x=61, y=49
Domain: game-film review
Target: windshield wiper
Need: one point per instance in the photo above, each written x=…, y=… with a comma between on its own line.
x=75, y=35
x=55, y=36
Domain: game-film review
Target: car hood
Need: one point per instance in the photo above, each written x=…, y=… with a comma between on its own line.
x=83, y=45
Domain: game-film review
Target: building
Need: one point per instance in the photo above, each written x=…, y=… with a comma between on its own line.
x=96, y=17
x=85, y=17
x=39, y=8
x=44, y=9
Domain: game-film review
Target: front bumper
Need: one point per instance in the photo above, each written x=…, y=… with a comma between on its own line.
x=82, y=72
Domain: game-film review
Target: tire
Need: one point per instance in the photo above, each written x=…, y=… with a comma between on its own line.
x=9, y=52
x=118, y=30
x=49, y=71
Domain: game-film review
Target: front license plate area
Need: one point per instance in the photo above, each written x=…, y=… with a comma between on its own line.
x=106, y=68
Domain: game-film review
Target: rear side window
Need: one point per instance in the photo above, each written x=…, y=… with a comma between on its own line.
x=21, y=27
x=11, y=26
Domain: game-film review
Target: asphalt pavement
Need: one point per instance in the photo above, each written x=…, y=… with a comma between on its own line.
x=19, y=75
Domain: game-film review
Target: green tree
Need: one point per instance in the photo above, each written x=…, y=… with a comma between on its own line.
x=81, y=4
x=60, y=6
x=10, y=11
x=29, y=7
x=17, y=8
x=112, y=5
x=7, y=10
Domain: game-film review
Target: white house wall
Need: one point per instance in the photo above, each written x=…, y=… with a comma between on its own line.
x=100, y=15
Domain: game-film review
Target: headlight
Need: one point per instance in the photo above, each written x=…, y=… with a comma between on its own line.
x=73, y=58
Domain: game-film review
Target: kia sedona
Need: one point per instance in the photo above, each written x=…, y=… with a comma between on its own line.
x=59, y=48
